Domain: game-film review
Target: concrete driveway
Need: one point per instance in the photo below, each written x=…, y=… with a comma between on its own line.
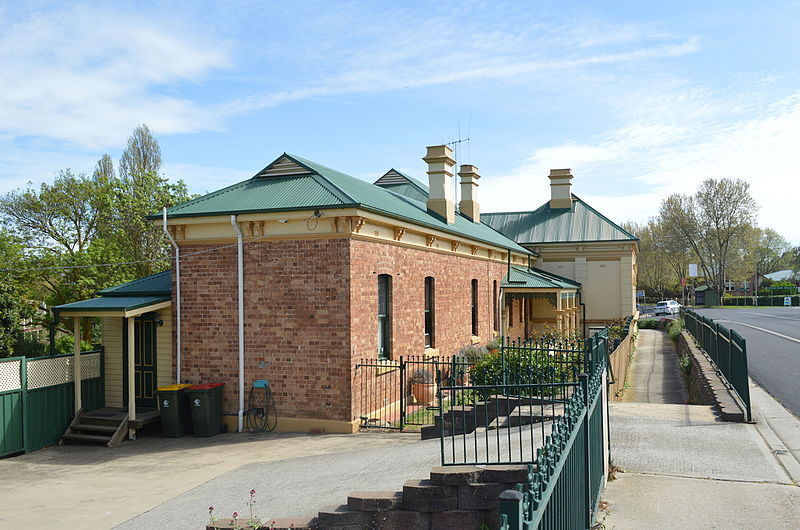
x=96, y=487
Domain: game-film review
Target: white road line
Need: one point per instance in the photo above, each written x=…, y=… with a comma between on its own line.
x=762, y=329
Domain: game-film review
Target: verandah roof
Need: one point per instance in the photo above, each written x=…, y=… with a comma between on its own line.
x=522, y=278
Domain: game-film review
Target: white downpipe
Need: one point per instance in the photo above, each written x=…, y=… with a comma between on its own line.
x=501, y=308
x=241, y=320
x=177, y=295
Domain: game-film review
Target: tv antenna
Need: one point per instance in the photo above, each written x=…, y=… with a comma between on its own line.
x=456, y=145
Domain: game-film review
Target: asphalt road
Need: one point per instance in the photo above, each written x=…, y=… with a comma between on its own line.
x=773, y=347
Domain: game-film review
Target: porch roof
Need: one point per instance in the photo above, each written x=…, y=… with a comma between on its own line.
x=115, y=305
x=522, y=278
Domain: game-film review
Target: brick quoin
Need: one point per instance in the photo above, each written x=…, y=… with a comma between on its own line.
x=311, y=315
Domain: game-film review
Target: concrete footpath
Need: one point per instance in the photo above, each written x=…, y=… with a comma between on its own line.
x=681, y=467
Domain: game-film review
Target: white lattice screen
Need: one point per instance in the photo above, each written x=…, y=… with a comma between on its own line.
x=9, y=375
x=58, y=370
x=49, y=372
x=90, y=365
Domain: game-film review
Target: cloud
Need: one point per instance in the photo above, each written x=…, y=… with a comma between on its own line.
x=650, y=160
x=88, y=76
x=398, y=49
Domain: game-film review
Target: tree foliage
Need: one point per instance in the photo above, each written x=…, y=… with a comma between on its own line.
x=713, y=223
x=70, y=226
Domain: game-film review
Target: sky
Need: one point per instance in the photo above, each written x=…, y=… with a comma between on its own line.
x=639, y=99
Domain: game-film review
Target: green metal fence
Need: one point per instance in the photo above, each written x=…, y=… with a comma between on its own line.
x=567, y=475
x=37, y=398
x=727, y=350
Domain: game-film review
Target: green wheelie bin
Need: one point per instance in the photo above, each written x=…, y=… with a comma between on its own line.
x=205, y=400
x=173, y=405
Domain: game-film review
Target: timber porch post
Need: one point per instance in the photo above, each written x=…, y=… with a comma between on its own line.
x=131, y=377
x=76, y=362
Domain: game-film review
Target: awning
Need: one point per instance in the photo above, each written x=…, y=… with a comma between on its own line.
x=123, y=306
x=522, y=278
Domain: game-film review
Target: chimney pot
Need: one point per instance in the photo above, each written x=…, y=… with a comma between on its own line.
x=440, y=182
x=469, y=205
x=560, y=189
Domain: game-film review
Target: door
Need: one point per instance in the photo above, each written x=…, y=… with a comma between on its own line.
x=145, y=357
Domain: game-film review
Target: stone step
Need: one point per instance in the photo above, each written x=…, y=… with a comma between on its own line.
x=423, y=496
x=455, y=475
x=291, y=523
x=374, y=501
x=430, y=431
x=342, y=517
x=508, y=473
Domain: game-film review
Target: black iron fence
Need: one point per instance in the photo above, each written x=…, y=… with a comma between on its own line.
x=401, y=393
x=727, y=350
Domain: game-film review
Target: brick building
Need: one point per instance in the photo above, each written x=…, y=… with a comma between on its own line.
x=297, y=273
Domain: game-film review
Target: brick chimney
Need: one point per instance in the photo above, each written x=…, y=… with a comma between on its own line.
x=440, y=182
x=469, y=192
x=560, y=192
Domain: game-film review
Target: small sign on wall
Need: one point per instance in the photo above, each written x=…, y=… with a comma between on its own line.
x=787, y=300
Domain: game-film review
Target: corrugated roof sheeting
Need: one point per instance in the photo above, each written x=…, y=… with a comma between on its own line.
x=521, y=278
x=155, y=284
x=113, y=303
x=261, y=194
x=328, y=188
x=547, y=225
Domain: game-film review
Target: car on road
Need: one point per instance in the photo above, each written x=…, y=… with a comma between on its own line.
x=667, y=307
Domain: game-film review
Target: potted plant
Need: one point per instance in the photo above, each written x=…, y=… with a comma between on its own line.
x=493, y=346
x=423, y=386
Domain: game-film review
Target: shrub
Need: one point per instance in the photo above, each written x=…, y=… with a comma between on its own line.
x=648, y=323
x=685, y=363
x=525, y=366
x=674, y=328
x=471, y=353
x=493, y=344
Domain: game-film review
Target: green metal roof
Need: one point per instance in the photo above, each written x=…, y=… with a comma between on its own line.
x=306, y=185
x=521, y=278
x=403, y=184
x=112, y=303
x=581, y=223
x=159, y=284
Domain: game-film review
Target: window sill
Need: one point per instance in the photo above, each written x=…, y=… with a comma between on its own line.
x=476, y=340
x=430, y=352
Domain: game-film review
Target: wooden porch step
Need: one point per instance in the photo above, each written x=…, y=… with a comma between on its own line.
x=96, y=427
x=87, y=437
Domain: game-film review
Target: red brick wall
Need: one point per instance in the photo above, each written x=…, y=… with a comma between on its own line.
x=311, y=314
x=296, y=323
x=409, y=267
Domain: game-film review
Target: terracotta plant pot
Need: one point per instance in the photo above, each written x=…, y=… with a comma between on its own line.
x=424, y=393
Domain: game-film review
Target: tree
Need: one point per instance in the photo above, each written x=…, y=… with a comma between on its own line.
x=141, y=157
x=141, y=191
x=712, y=223
x=71, y=228
x=653, y=272
x=12, y=314
x=767, y=251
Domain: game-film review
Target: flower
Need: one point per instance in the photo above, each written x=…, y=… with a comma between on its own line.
x=252, y=492
x=210, y=508
x=235, y=515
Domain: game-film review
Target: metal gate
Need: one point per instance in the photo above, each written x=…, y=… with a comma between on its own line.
x=401, y=394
